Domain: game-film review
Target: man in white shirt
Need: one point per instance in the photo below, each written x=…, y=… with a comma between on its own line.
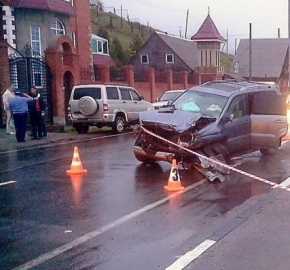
x=8, y=94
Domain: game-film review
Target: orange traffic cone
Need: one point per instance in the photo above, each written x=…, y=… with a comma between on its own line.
x=174, y=183
x=76, y=164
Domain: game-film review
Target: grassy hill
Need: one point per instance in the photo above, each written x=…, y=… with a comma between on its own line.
x=125, y=31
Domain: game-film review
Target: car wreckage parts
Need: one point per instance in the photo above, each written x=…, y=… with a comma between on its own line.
x=211, y=167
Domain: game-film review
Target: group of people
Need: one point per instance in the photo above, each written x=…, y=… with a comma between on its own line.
x=18, y=105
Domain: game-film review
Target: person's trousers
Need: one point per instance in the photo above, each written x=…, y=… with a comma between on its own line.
x=36, y=127
x=20, y=126
x=10, y=127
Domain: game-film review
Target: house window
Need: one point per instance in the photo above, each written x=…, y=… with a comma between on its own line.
x=35, y=39
x=57, y=27
x=169, y=58
x=144, y=58
x=99, y=45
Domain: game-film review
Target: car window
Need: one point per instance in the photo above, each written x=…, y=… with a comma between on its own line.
x=239, y=106
x=112, y=93
x=134, y=95
x=125, y=93
x=169, y=96
x=269, y=105
x=252, y=96
x=93, y=92
x=205, y=103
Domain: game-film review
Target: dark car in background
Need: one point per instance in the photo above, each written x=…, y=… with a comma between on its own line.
x=218, y=119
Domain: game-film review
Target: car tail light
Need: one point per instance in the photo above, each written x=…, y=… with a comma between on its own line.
x=105, y=107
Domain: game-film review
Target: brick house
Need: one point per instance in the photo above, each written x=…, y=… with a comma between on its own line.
x=46, y=43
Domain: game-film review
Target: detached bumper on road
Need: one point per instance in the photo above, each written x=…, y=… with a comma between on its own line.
x=158, y=156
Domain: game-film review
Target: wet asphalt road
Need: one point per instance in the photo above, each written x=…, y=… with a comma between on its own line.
x=119, y=215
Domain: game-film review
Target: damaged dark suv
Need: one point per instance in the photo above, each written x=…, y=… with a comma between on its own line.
x=218, y=119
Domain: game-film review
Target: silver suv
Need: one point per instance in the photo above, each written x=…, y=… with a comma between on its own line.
x=105, y=105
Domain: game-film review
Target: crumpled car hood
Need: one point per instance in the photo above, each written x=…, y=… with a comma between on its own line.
x=179, y=120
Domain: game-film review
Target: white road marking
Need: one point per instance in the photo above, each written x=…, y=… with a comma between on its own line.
x=190, y=256
x=7, y=183
x=51, y=254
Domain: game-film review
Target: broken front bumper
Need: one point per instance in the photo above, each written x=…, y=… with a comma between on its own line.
x=153, y=155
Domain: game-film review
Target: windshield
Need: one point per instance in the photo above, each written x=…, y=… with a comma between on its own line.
x=204, y=103
x=169, y=96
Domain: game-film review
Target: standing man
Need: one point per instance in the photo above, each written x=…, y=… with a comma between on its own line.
x=36, y=113
x=8, y=94
x=19, y=108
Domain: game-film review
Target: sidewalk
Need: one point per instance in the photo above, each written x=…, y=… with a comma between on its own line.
x=8, y=142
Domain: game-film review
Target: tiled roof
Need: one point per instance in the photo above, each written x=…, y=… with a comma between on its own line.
x=102, y=59
x=208, y=31
x=268, y=56
x=60, y=6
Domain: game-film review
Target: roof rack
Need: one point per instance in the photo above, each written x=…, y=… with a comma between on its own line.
x=226, y=81
x=112, y=83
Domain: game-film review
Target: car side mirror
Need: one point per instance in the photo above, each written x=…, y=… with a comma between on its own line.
x=157, y=99
x=228, y=117
x=141, y=97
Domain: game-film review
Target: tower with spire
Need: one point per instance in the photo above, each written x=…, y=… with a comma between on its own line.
x=208, y=41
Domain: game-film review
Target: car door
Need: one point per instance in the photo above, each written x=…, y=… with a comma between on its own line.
x=238, y=130
x=268, y=120
x=133, y=103
x=127, y=102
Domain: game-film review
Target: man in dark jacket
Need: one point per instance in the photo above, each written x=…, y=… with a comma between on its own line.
x=36, y=112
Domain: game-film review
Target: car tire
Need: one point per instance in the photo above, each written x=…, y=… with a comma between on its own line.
x=268, y=152
x=81, y=129
x=88, y=105
x=144, y=159
x=118, y=126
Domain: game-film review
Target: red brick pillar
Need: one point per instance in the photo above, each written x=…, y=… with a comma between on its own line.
x=169, y=78
x=184, y=78
x=129, y=74
x=198, y=78
x=105, y=73
x=54, y=61
x=151, y=80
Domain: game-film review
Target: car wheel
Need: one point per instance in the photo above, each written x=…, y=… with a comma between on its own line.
x=118, y=126
x=81, y=129
x=144, y=159
x=267, y=151
x=270, y=151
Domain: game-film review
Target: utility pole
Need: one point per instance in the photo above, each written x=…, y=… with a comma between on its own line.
x=121, y=17
x=186, y=23
x=250, y=53
x=288, y=18
x=227, y=41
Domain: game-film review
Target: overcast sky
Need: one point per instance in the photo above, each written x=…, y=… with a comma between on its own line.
x=230, y=16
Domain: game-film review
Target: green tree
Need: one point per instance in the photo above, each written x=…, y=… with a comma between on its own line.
x=136, y=43
x=102, y=32
x=117, y=52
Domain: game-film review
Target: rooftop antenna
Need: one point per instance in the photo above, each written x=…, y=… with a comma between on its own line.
x=208, y=8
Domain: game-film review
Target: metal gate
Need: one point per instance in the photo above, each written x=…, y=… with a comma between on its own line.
x=28, y=69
